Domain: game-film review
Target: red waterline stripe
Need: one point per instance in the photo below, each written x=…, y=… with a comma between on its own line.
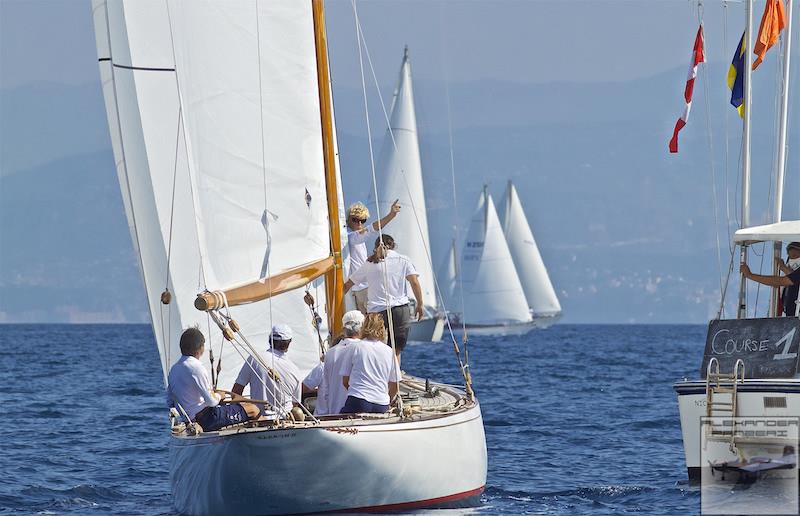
x=418, y=504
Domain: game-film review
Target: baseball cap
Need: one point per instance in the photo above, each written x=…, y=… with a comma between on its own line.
x=353, y=319
x=280, y=332
x=793, y=245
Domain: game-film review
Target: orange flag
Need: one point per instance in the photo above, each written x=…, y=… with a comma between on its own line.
x=772, y=23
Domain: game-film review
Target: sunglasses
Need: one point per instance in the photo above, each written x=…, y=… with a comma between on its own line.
x=353, y=219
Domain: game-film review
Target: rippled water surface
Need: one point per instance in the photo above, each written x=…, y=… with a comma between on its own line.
x=579, y=419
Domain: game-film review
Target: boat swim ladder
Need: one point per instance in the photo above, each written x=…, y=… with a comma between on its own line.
x=725, y=409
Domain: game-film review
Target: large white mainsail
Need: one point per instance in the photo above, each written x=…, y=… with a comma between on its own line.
x=216, y=111
x=536, y=283
x=493, y=294
x=400, y=177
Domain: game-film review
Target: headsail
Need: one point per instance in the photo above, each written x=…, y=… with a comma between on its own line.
x=218, y=120
x=492, y=290
x=400, y=177
x=448, y=280
x=532, y=273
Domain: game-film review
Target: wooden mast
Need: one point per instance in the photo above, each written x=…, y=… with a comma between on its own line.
x=330, y=266
x=334, y=280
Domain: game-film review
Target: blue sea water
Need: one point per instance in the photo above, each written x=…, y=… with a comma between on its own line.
x=579, y=419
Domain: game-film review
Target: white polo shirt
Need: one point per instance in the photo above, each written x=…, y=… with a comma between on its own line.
x=391, y=292
x=189, y=385
x=331, y=388
x=370, y=366
x=357, y=251
x=280, y=395
x=313, y=380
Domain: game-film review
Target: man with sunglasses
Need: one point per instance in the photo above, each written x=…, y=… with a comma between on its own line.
x=358, y=232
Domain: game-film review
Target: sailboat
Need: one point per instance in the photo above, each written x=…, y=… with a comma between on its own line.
x=494, y=300
x=222, y=127
x=400, y=178
x=539, y=292
x=740, y=415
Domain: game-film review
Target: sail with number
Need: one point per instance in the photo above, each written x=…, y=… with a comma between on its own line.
x=214, y=110
x=532, y=272
x=493, y=294
x=400, y=177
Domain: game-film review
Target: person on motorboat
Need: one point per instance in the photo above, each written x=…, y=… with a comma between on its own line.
x=387, y=271
x=790, y=281
x=189, y=389
x=358, y=232
x=369, y=372
x=280, y=386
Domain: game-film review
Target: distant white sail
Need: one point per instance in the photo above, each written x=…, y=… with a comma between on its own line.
x=185, y=83
x=448, y=280
x=493, y=294
x=399, y=175
x=532, y=273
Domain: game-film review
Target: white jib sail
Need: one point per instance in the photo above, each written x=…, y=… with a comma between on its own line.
x=215, y=119
x=493, y=294
x=400, y=177
x=536, y=283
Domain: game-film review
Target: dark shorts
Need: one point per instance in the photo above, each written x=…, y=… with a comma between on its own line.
x=401, y=320
x=214, y=418
x=355, y=405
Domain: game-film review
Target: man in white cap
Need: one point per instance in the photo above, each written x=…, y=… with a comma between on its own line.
x=332, y=393
x=281, y=394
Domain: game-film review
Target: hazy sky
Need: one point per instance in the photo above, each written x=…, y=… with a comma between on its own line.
x=524, y=41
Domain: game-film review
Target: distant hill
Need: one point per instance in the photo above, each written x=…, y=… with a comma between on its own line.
x=627, y=231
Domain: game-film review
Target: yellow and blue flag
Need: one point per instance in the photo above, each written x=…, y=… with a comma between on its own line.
x=736, y=78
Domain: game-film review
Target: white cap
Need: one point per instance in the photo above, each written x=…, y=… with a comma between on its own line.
x=280, y=332
x=353, y=320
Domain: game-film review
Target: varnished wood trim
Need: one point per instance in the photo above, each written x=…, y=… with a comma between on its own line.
x=291, y=279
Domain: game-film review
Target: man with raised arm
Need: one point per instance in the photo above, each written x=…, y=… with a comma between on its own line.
x=189, y=389
x=358, y=232
x=387, y=272
x=280, y=385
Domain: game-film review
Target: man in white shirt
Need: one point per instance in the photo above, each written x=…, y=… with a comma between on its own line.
x=189, y=389
x=281, y=394
x=358, y=232
x=332, y=394
x=386, y=272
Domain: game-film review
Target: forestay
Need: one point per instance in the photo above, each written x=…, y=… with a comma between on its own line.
x=493, y=294
x=400, y=177
x=532, y=272
x=215, y=121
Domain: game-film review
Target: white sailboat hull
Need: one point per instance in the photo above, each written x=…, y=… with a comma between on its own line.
x=750, y=401
x=496, y=330
x=384, y=466
x=426, y=330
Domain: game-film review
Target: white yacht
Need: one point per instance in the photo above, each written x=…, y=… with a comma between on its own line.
x=222, y=127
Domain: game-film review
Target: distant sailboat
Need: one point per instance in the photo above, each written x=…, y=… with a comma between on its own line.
x=494, y=300
x=536, y=284
x=400, y=177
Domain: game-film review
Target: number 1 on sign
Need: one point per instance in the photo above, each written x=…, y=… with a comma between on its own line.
x=787, y=343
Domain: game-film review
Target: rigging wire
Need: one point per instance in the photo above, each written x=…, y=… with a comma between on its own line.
x=459, y=278
x=390, y=325
x=267, y=212
x=709, y=134
x=362, y=40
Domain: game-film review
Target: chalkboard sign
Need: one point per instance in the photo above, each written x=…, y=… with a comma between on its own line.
x=768, y=347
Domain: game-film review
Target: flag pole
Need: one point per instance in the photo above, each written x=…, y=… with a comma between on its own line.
x=781, y=161
x=748, y=32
